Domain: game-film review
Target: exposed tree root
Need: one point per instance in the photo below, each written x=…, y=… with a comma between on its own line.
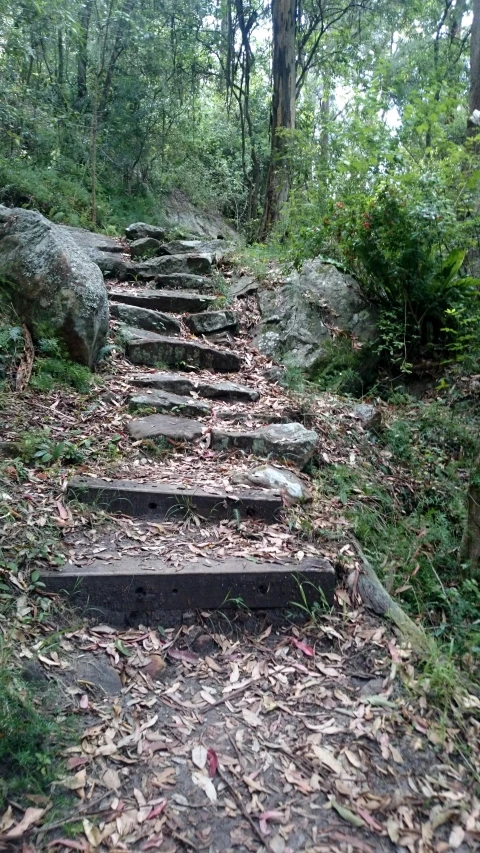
x=376, y=598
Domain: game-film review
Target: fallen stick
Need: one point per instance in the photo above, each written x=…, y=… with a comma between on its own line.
x=376, y=598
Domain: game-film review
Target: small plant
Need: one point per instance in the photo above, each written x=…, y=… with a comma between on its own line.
x=54, y=368
x=313, y=605
x=40, y=449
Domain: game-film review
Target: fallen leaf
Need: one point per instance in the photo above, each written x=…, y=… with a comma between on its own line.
x=199, y=756
x=68, y=843
x=111, y=779
x=456, y=837
x=206, y=785
x=212, y=762
x=250, y=718
x=75, y=782
x=328, y=759
x=347, y=815
x=307, y=650
x=31, y=817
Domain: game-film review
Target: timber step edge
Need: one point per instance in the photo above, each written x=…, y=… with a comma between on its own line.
x=142, y=587
x=166, y=501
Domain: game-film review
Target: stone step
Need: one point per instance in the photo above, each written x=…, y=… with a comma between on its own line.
x=200, y=264
x=217, y=248
x=181, y=281
x=154, y=427
x=163, y=500
x=145, y=318
x=138, y=589
x=290, y=442
x=163, y=402
x=287, y=442
x=209, y=322
x=175, y=301
x=150, y=349
x=178, y=383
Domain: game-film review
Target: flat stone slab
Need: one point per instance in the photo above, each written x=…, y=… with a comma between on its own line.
x=135, y=587
x=163, y=500
x=145, y=318
x=209, y=322
x=277, y=441
x=218, y=248
x=180, y=384
x=165, y=426
x=151, y=349
x=175, y=301
x=164, y=401
x=200, y=264
x=181, y=281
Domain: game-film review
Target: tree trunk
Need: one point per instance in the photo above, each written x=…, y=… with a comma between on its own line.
x=283, y=110
x=474, y=102
x=83, y=27
x=470, y=547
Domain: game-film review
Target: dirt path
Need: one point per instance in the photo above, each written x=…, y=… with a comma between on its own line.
x=293, y=731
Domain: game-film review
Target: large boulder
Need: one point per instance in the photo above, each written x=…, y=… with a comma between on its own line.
x=54, y=286
x=300, y=318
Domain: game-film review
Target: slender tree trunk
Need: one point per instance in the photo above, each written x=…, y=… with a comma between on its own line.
x=283, y=110
x=93, y=158
x=474, y=102
x=83, y=26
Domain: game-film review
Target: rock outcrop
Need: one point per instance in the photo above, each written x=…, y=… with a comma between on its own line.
x=300, y=318
x=54, y=286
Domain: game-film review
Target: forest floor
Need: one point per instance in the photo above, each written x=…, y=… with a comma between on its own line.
x=301, y=731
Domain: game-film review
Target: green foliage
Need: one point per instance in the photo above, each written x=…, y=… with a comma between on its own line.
x=37, y=448
x=28, y=734
x=409, y=516
x=54, y=368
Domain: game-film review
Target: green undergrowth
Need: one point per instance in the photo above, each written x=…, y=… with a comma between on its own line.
x=408, y=511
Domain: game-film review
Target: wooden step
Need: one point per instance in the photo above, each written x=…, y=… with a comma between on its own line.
x=178, y=383
x=163, y=500
x=140, y=588
x=150, y=349
x=174, y=301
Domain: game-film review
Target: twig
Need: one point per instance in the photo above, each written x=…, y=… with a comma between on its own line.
x=185, y=841
x=236, y=795
x=71, y=818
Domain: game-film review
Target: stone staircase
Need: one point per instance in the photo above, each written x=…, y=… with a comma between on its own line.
x=171, y=324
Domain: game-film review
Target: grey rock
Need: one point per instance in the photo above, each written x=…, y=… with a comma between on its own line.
x=209, y=322
x=165, y=426
x=176, y=301
x=296, y=316
x=227, y=391
x=144, y=246
x=115, y=266
x=277, y=441
x=149, y=349
x=52, y=283
x=217, y=248
x=180, y=214
x=92, y=242
x=179, y=384
x=171, y=264
x=142, y=229
x=164, y=402
x=273, y=477
x=145, y=318
x=369, y=416
x=97, y=672
x=183, y=281
x=244, y=286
